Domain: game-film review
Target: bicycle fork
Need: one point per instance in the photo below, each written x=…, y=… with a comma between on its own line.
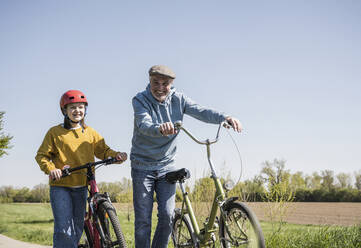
x=93, y=224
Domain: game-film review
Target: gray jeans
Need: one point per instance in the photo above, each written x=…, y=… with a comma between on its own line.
x=145, y=183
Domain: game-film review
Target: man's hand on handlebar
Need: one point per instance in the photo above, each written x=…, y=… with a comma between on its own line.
x=235, y=123
x=167, y=129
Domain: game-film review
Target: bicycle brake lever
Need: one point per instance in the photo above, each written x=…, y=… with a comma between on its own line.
x=226, y=124
x=178, y=125
x=65, y=172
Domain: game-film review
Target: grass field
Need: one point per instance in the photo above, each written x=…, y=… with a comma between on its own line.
x=34, y=223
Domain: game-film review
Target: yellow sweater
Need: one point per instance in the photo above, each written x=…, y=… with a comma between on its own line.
x=71, y=147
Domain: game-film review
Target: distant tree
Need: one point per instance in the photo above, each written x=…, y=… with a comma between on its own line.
x=297, y=181
x=126, y=184
x=344, y=180
x=126, y=194
x=40, y=193
x=278, y=193
x=7, y=194
x=203, y=190
x=277, y=179
x=314, y=182
x=22, y=195
x=327, y=179
x=252, y=190
x=120, y=191
x=113, y=189
x=358, y=179
x=4, y=139
x=274, y=173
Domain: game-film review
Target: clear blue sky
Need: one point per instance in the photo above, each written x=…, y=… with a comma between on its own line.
x=289, y=70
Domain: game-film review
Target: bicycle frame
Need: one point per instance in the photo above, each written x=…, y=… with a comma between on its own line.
x=94, y=199
x=204, y=236
x=93, y=224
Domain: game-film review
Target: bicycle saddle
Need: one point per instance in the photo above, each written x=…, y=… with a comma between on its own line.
x=179, y=175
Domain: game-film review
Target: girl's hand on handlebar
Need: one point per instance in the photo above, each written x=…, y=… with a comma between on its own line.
x=167, y=129
x=121, y=156
x=57, y=173
x=235, y=123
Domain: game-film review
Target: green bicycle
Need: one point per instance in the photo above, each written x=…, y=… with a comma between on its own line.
x=237, y=224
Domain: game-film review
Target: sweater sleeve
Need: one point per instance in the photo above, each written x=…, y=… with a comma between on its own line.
x=101, y=149
x=46, y=153
x=143, y=120
x=201, y=113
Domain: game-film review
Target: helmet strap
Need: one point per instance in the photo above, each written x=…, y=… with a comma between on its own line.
x=67, y=117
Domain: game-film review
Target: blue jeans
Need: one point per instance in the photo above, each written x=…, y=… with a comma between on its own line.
x=145, y=183
x=68, y=206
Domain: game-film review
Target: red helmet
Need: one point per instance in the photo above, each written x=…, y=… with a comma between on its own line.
x=72, y=96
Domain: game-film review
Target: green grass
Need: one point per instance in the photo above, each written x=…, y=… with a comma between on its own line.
x=27, y=222
x=34, y=223
x=316, y=237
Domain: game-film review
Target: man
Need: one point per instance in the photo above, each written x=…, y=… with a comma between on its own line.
x=154, y=148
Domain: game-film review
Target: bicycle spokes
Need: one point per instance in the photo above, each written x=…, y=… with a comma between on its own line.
x=239, y=230
x=182, y=233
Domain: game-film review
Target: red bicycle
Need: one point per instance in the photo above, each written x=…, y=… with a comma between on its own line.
x=101, y=227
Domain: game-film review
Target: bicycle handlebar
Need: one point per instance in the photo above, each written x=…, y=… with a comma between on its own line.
x=66, y=172
x=178, y=126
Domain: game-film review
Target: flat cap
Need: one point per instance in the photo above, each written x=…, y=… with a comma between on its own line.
x=161, y=70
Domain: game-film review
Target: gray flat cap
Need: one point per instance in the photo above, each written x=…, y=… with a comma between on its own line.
x=161, y=70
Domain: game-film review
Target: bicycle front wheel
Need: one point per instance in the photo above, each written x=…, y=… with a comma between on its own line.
x=239, y=227
x=111, y=227
x=182, y=233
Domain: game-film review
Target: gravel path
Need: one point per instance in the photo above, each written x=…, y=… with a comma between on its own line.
x=6, y=242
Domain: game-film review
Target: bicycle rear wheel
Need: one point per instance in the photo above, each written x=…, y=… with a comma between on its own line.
x=110, y=224
x=182, y=233
x=239, y=227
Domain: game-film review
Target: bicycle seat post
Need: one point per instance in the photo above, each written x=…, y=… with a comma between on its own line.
x=181, y=187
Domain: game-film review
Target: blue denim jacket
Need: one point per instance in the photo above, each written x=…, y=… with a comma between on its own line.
x=150, y=149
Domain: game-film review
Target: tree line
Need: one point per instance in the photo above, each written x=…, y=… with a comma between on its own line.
x=276, y=181
x=271, y=184
x=118, y=192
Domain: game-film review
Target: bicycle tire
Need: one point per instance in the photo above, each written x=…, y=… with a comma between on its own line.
x=109, y=222
x=187, y=237
x=249, y=235
x=86, y=240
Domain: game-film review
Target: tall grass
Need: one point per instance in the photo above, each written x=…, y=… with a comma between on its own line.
x=320, y=237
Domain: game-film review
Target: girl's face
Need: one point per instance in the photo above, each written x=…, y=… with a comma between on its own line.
x=75, y=111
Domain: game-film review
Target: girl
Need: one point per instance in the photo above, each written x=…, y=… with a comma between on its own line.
x=69, y=145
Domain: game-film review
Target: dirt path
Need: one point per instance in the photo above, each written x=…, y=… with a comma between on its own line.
x=6, y=242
